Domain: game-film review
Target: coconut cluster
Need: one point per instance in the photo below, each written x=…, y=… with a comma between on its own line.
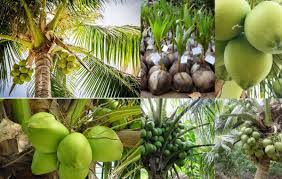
x=69, y=153
x=258, y=145
x=68, y=62
x=164, y=142
x=21, y=73
x=246, y=40
x=185, y=76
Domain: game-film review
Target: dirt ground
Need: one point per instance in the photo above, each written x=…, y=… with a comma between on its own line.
x=172, y=94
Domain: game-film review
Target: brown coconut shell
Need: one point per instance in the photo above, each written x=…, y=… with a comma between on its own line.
x=174, y=68
x=148, y=59
x=169, y=59
x=153, y=69
x=182, y=82
x=204, y=80
x=159, y=82
x=143, y=76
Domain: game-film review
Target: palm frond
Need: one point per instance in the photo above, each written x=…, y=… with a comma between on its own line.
x=9, y=54
x=116, y=46
x=105, y=81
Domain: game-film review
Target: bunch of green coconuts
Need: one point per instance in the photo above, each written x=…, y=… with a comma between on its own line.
x=164, y=142
x=246, y=40
x=68, y=62
x=258, y=145
x=69, y=153
x=21, y=73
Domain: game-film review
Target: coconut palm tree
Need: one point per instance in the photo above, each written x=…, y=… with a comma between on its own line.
x=38, y=29
x=166, y=164
x=76, y=115
x=263, y=118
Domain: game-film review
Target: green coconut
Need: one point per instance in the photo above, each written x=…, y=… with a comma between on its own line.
x=270, y=150
x=44, y=132
x=246, y=65
x=105, y=144
x=231, y=89
x=277, y=87
x=248, y=131
x=244, y=138
x=266, y=142
x=251, y=141
x=256, y=135
x=43, y=163
x=75, y=151
x=220, y=69
x=278, y=146
x=229, y=18
x=263, y=27
x=67, y=172
x=259, y=153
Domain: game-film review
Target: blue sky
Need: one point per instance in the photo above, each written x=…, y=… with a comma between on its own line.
x=115, y=14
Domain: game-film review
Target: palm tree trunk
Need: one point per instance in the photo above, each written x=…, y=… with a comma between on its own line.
x=262, y=169
x=43, y=64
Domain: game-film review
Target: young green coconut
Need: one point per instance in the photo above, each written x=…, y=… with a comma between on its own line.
x=105, y=144
x=246, y=65
x=229, y=18
x=44, y=132
x=159, y=80
x=21, y=73
x=263, y=27
x=43, y=163
x=75, y=151
x=68, y=172
x=182, y=82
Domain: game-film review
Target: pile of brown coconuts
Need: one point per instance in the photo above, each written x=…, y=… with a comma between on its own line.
x=161, y=73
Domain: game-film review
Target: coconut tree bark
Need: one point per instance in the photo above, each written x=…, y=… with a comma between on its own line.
x=43, y=62
x=262, y=169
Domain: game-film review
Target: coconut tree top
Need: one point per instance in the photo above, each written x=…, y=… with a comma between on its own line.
x=37, y=30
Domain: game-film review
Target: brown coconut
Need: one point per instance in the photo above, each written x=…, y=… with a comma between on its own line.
x=182, y=82
x=143, y=76
x=174, y=68
x=159, y=82
x=148, y=59
x=153, y=69
x=204, y=80
x=168, y=59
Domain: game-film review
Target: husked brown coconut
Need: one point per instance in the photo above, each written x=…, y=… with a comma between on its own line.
x=148, y=59
x=204, y=80
x=182, y=82
x=174, y=68
x=169, y=59
x=159, y=82
x=143, y=76
x=153, y=69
